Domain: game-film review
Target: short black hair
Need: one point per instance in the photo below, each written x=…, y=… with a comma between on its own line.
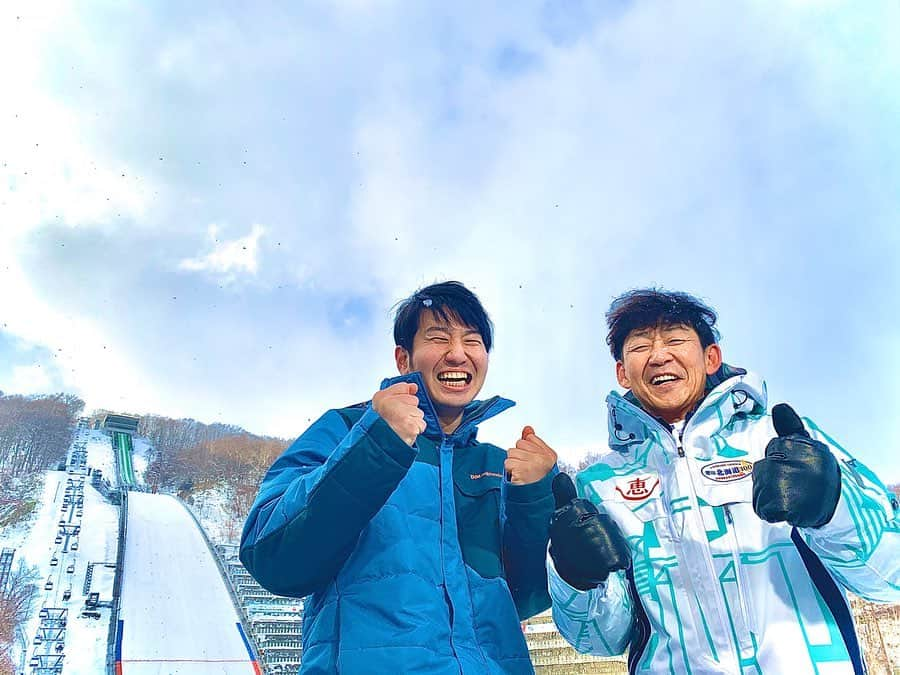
x=449, y=300
x=650, y=307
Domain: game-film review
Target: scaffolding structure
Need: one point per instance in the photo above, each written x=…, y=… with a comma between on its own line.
x=276, y=622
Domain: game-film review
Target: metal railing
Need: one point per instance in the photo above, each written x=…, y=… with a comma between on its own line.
x=117, y=585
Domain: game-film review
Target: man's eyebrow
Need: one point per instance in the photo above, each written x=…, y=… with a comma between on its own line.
x=674, y=327
x=646, y=332
x=447, y=329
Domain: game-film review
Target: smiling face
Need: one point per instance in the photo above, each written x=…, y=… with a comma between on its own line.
x=453, y=361
x=666, y=368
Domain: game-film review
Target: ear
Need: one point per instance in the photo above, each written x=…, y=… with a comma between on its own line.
x=624, y=382
x=713, y=358
x=402, y=357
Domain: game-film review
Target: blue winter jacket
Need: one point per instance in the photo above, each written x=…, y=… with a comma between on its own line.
x=418, y=560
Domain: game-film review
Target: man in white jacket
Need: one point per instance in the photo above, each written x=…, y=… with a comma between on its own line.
x=725, y=535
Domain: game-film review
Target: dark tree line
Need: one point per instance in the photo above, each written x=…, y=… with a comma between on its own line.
x=36, y=431
x=174, y=442
x=232, y=465
x=189, y=455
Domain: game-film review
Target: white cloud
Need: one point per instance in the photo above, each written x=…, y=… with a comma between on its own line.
x=51, y=177
x=49, y=174
x=228, y=257
x=90, y=360
x=647, y=147
x=26, y=380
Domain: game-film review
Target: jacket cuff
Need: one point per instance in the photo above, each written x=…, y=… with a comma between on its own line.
x=560, y=588
x=386, y=438
x=532, y=492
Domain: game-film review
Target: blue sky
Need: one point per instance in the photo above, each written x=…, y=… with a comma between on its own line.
x=209, y=210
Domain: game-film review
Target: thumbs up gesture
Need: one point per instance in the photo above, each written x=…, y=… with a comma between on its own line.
x=585, y=545
x=530, y=460
x=799, y=481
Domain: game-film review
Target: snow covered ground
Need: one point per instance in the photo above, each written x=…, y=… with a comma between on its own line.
x=100, y=456
x=86, y=642
x=34, y=544
x=177, y=615
x=40, y=544
x=140, y=458
x=212, y=510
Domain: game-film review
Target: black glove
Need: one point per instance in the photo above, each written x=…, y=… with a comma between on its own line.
x=585, y=545
x=799, y=481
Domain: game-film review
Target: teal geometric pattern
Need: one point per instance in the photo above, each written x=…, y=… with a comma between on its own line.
x=724, y=591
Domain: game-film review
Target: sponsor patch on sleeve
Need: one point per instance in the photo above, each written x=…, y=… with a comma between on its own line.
x=727, y=471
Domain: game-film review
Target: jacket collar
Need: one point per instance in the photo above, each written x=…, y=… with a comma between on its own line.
x=474, y=413
x=729, y=391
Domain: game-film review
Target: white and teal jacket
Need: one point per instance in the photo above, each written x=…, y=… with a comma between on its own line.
x=713, y=588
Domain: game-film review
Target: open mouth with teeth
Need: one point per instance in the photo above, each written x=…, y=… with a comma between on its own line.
x=454, y=379
x=658, y=380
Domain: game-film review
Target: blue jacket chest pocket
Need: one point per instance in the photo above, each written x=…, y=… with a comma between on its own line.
x=477, y=496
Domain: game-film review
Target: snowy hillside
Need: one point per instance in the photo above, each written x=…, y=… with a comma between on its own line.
x=73, y=530
x=174, y=612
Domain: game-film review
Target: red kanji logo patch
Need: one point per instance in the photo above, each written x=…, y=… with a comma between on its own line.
x=637, y=488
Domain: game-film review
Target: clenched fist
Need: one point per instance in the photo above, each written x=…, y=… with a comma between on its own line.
x=399, y=407
x=799, y=481
x=530, y=460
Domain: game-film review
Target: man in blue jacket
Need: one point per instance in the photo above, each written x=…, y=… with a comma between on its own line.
x=422, y=548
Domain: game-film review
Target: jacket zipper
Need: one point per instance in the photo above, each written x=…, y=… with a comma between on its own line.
x=722, y=611
x=742, y=587
x=442, y=454
x=677, y=438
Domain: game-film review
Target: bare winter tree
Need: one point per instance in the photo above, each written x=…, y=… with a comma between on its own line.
x=171, y=437
x=16, y=600
x=583, y=463
x=35, y=431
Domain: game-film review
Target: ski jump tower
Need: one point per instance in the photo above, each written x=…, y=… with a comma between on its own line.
x=121, y=429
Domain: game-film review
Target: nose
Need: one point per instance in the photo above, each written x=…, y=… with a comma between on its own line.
x=456, y=353
x=659, y=354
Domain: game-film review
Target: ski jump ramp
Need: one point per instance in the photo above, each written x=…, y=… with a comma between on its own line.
x=176, y=614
